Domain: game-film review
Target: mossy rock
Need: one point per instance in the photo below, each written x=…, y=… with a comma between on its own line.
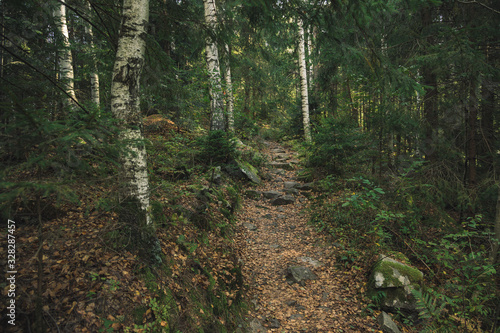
x=250, y=171
x=390, y=273
x=392, y=281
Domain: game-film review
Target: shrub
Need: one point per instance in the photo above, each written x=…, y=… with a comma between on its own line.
x=217, y=148
x=339, y=146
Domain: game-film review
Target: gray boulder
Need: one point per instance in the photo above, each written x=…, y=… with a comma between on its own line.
x=386, y=323
x=250, y=226
x=304, y=187
x=253, y=194
x=283, y=200
x=291, y=191
x=256, y=327
x=244, y=170
x=396, y=280
x=299, y=274
x=290, y=184
x=281, y=165
x=271, y=194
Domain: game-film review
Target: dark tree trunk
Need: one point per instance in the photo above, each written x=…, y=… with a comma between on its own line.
x=431, y=93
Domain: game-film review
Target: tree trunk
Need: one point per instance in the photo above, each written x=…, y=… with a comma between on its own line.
x=94, y=76
x=496, y=237
x=125, y=97
x=471, y=144
x=431, y=95
x=229, y=89
x=303, y=83
x=487, y=110
x=125, y=106
x=65, y=58
x=217, y=121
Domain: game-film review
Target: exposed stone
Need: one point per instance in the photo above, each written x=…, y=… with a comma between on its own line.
x=299, y=274
x=217, y=175
x=282, y=155
x=386, y=323
x=253, y=194
x=250, y=226
x=279, y=172
x=291, y=191
x=271, y=194
x=396, y=280
x=281, y=165
x=311, y=261
x=244, y=170
x=250, y=172
x=273, y=323
x=283, y=200
x=296, y=316
x=304, y=187
x=256, y=327
x=290, y=184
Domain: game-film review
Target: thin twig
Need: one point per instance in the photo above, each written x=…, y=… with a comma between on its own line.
x=479, y=3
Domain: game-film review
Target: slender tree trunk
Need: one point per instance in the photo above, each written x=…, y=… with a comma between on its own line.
x=487, y=110
x=431, y=95
x=229, y=89
x=67, y=75
x=354, y=110
x=309, y=56
x=471, y=144
x=303, y=83
x=125, y=106
x=496, y=237
x=125, y=96
x=94, y=76
x=217, y=121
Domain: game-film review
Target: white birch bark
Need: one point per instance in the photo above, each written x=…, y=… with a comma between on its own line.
x=125, y=98
x=65, y=58
x=229, y=89
x=94, y=76
x=309, y=54
x=303, y=83
x=217, y=121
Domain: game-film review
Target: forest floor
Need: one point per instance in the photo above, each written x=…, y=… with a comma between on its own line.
x=276, y=237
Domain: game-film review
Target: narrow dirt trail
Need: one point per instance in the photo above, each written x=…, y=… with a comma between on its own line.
x=276, y=237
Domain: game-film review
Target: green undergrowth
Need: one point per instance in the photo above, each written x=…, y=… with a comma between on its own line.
x=366, y=218
x=199, y=285
x=460, y=292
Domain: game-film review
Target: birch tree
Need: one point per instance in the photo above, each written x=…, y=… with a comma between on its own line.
x=125, y=97
x=94, y=76
x=303, y=82
x=65, y=59
x=217, y=121
x=229, y=89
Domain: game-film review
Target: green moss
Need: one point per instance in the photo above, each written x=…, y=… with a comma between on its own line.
x=392, y=278
x=248, y=168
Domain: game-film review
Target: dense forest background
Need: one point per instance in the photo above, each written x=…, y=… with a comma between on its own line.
x=394, y=106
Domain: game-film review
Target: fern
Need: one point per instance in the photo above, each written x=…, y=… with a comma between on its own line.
x=431, y=306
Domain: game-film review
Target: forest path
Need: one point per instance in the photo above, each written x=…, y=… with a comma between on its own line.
x=274, y=238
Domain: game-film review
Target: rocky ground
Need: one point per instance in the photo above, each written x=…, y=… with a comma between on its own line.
x=295, y=285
